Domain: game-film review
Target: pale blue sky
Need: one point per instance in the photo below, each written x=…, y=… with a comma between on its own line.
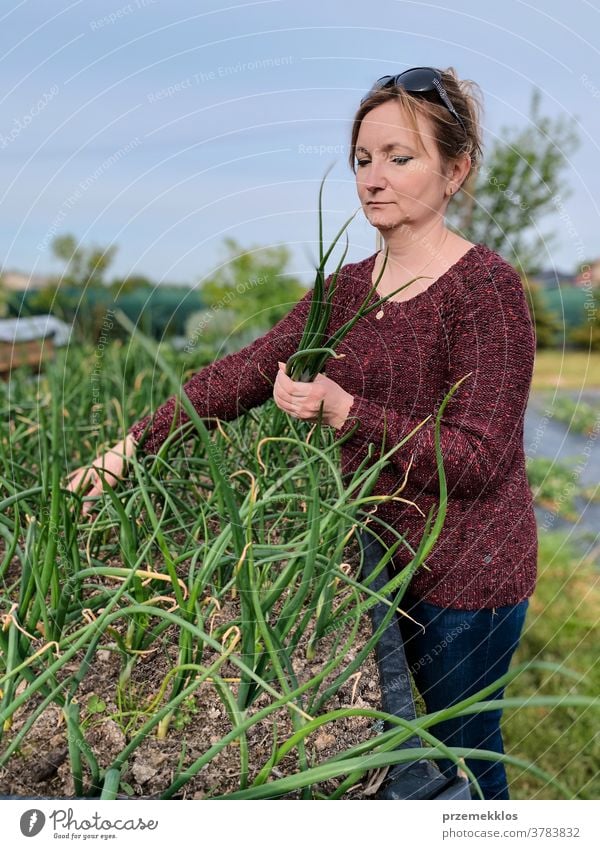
x=93, y=142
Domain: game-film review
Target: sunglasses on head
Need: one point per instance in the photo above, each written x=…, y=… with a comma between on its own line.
x=418, y=81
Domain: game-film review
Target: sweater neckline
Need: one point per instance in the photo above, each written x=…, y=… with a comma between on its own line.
x=437, y=283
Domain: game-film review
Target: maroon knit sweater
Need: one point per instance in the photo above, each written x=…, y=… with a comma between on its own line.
x=474, y=318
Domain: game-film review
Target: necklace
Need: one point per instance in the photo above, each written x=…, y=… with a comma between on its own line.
x=380, y=314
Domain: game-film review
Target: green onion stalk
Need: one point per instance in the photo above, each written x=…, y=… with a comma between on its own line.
x=316, y=347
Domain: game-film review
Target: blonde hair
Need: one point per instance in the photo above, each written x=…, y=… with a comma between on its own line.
x=452, y=141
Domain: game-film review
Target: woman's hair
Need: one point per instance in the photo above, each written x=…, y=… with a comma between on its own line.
x=449, y=136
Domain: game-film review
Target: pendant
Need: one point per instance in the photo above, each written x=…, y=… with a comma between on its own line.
x=379, y=314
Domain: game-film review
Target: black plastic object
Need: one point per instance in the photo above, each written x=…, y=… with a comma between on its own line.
x=419, y=779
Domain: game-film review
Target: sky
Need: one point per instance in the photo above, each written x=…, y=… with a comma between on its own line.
x=164, y=126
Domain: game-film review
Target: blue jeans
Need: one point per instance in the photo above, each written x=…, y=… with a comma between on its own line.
x=458, y=653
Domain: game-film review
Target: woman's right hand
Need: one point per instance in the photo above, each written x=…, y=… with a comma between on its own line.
x=112, y=465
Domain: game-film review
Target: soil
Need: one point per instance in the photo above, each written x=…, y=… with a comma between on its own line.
x=41, y=766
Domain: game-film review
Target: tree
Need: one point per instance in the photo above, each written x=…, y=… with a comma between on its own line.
x=253, y=285
x=547, y=323
x=4, y=299
x=84, y=266
x=587, y=335
x=520, y=182
x=84, y=270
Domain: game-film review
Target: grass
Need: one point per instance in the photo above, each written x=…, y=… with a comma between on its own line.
x=566, y=369
x=560, y=626
x=554, y=486
x=579, y=416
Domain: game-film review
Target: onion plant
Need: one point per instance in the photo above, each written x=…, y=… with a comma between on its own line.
x=231, y=563
x=316, y=346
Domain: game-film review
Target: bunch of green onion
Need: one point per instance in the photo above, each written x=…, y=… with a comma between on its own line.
x=316, y=347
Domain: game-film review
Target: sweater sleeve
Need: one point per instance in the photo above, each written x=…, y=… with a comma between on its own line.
x=491, y=338
x=232, y=385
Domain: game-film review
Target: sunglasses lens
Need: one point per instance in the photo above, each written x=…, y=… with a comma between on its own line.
x=415, y=80
x=418, y=79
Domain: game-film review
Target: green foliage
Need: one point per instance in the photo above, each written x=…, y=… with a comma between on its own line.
x=251, y=292
x=65, y=296
x=186, y=713
x=587, y=334
x=253, y=285
x=520, y=183
x=95, y=704
x=213, y=572
x=81, y=297
x=553, y=485
x=84, y=266
x=565, y=316
x=561, y=627
x=547, y=323
x=578, y=415
x=5, y=300
x=53, y=298
x=216, y=333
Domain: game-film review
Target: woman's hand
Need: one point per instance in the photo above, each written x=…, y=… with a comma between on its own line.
x=112, y=464
x=302, y=400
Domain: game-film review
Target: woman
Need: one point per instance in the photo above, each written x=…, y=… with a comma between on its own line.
x=415, y=141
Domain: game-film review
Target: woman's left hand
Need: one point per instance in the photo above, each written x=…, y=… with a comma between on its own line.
x=303, y=400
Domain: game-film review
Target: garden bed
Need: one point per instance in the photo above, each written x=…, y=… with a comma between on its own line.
x=111, y=714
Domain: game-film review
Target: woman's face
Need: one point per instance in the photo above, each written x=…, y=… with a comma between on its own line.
x=398, y=183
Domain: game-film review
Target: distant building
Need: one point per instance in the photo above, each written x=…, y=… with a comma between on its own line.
x=590, y=274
